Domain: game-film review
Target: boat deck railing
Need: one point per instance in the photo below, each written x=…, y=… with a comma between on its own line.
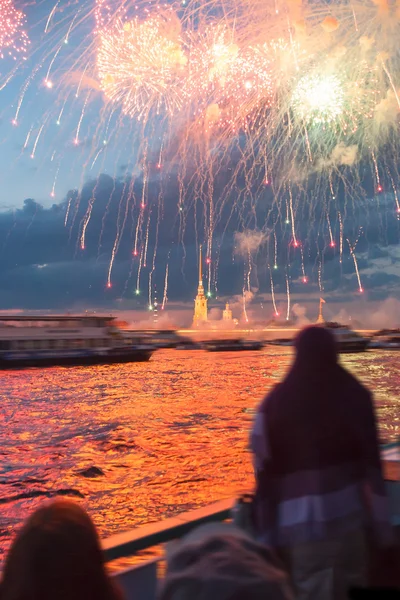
x=127, y=544
x=140, y=581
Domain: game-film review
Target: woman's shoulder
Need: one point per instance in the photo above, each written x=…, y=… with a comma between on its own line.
x=269, y=398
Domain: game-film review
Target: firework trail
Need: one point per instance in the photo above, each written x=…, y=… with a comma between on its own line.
x=53, y=189
x=67, y=212
x=47, y=81
x=276, y=313
x=139, y=273
x=331, y=242
x=395, y=194
x=165, y=294
x=297, y=102
x=245, y=316
x=288, y=297
x=51, y=15
x=303, y=272
x=78, y=129
x=58, y=122
x=352, y=248
x=27, y=138
x=320, y=284
x=86, y=221
x=275, y=251
x=146, y=241
x=120, y=231
x=295, y=242
x=25, y=87
x=37, y=141
x=341, y=238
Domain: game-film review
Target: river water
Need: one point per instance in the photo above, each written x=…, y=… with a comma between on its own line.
x=168, y=436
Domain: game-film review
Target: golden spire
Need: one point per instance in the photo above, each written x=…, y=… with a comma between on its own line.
x=320, y=316
x=200, y=303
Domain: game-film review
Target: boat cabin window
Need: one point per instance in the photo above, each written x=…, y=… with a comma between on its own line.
x=56, y=323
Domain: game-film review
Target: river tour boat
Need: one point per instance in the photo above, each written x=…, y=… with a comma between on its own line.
x=347, y=340
x=232, y=345
x=386, y=339
x=44, y=341
x=280, y=342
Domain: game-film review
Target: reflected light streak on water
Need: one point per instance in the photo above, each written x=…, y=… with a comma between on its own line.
x=170, y=435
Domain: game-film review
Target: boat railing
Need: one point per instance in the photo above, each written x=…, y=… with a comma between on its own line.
x=131, y=542
x=140, y=581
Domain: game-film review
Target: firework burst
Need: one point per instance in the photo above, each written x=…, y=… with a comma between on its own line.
x=318, y=99
x=141, y=65
x=283, y=104
x=13, y=38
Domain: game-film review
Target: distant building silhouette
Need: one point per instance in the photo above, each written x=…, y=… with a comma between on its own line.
x=200, y=303
x=227, y=313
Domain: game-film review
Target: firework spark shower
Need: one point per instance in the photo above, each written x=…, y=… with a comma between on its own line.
x=288, y=106
x=13, y=38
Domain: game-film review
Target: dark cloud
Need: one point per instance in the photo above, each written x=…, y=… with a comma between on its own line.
x=43, y=265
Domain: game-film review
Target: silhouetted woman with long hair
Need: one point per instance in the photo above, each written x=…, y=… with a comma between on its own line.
x=319, y=485
x=57, y=556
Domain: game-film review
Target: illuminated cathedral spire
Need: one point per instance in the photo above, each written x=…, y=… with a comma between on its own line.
x=200, y=303
x=321, y=320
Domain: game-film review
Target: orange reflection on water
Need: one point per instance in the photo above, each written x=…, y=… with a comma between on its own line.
x=167, y=436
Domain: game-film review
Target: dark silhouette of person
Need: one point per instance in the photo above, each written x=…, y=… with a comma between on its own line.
x=319, y=484
x=219, y=561
x=57, y=556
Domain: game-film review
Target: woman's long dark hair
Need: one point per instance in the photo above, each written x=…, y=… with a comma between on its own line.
x=57, y=556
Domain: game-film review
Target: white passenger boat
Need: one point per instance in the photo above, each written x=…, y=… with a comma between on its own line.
x=347, y=340
x=386, y=339
x=43, y=341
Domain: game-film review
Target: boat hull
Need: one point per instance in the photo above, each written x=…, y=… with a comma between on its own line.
x=342, y=347
x=234, y=348
x=384, y=346
x=109, y=358
x=387, y=347
x=352, y=347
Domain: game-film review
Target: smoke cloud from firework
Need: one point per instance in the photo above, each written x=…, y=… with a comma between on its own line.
x=249, y=241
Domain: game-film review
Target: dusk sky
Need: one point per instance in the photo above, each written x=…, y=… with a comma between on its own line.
x=57, y=136
x=22, y=176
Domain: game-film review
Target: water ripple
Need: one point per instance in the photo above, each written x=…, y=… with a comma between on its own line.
x=155, y=438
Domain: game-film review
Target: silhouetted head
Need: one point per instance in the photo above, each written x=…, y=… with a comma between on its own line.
x=316, y=347
x=220, y=562
x=57, y=556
